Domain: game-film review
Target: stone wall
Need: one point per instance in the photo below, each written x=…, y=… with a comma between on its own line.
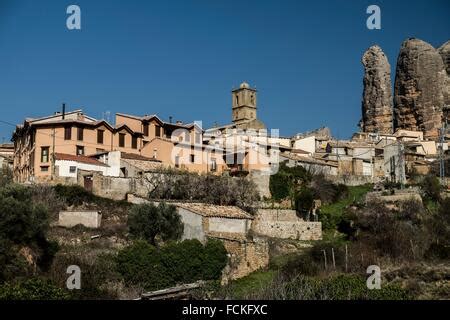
x=245, y=257
x=285, y=224
x=89, y=219
x=261, y=179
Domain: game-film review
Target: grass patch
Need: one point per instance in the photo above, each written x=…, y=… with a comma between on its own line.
x=330, y=214
x=254, y=282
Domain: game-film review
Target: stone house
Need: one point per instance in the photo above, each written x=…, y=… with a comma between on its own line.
x=231, y=225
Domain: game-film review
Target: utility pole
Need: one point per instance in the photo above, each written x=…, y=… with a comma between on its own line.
x=442, y=135
x=401, y=164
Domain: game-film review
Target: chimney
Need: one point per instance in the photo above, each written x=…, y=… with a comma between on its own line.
x=170, y=119
x=63, y=111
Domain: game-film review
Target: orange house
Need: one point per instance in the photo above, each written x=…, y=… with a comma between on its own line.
x=73, y=133
x=176, y=145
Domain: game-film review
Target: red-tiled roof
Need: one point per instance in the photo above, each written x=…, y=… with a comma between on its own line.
x=132, y=156
x=81, y=159
x=210, y=210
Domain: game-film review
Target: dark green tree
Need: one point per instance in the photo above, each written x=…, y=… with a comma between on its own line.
x=147, y=221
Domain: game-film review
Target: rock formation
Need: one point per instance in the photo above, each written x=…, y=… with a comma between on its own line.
x=377, y=96
x=419, y=88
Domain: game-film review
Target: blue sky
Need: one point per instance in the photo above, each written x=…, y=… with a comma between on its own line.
x=182, y=58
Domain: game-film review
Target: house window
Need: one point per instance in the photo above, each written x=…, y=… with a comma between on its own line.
x=80, y=150
x=157, y=131
x=197, y=138
x=121, y=140
x=177, y=161
x=192, y=158
x=67, y=133
x=100, y=134
x=44, y=154
x=213, y=165
x=146, y=129
x=72, y=169
x=134, y=142
x=44, y=168
x=99, y=150
x=80, y=134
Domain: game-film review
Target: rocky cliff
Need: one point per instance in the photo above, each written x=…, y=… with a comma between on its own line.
x=419, y=88
x=444, y=51
x=377, y=95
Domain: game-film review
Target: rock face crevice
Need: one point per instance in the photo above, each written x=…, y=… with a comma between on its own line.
x=377, y=95
x=419, y=88
x=444, y=51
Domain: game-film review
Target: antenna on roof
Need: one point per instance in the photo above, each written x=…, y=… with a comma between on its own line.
x=170, y=119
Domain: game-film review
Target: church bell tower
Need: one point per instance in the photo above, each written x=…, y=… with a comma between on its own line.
x=244, y=103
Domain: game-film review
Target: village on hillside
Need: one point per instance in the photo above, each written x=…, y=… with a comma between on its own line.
x=251, y=209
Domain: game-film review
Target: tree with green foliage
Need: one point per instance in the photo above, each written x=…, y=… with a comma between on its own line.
x=22, y=224
x=147, y=221
x=304, y=202
x=288, y=181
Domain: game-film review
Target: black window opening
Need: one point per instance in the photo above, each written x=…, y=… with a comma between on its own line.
x=121, y=140
x=72, y=169
x=157, y=131
x=146, y=129
x=67, y=133
x=134, y=142
x=192, y=158
x=80, y=134
x=100, y=135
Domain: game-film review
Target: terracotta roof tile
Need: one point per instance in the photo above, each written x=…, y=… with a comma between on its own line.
x=81, y=159
x=132, y=156
x=210, y=210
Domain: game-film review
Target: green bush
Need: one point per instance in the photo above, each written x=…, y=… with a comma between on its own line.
x=304, y=201
x=146, y=221
x=287, y=181
x=6, y=176
x=431, y=188
x=22, y=224
x=184, y=262
x=32, y=289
